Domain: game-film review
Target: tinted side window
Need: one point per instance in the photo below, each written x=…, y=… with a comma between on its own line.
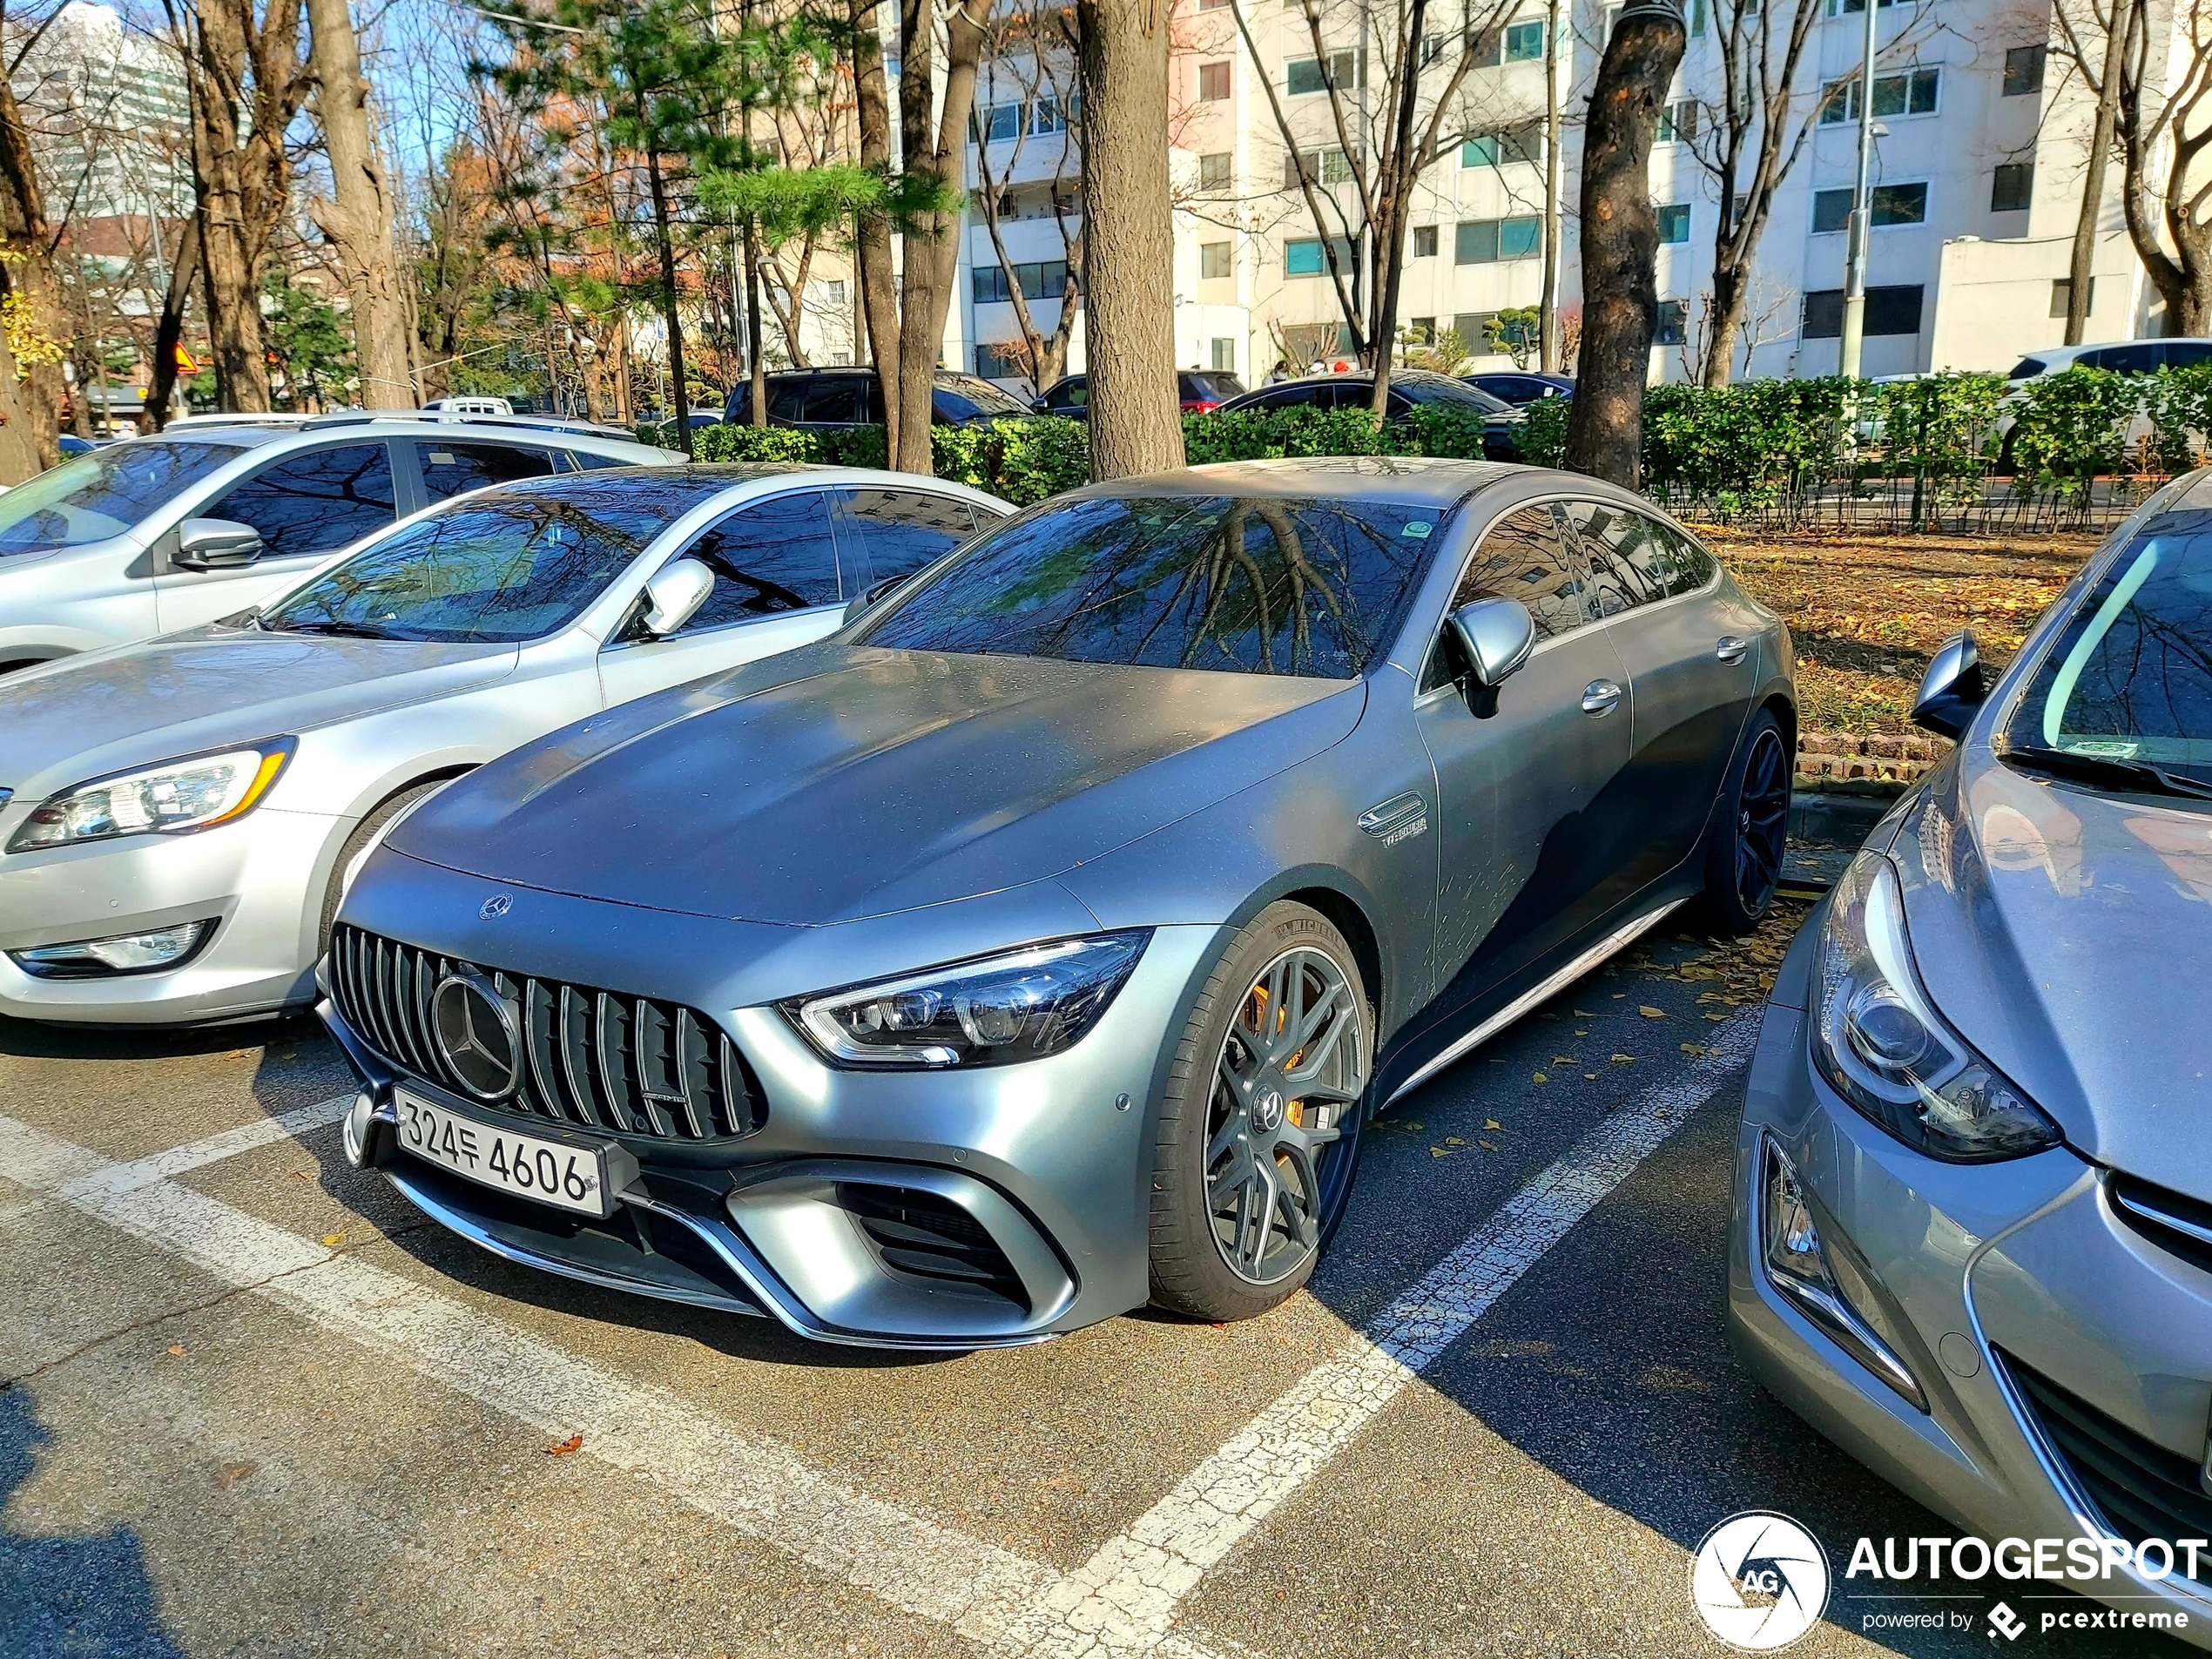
x=951, y=406
x=2185, y=353
x=900, y=530
x=1521, y=557
x=772, y=555
x=1631, y=563
x=316, y=502
x=1693, y=565
x=787, y=400
x=840, y=400
x=2143, y=357
x=450, y=469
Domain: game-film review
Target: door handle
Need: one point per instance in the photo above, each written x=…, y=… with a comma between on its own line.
x=1729, y=649
x=1599, y=697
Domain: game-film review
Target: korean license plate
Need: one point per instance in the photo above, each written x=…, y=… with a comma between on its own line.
x=551, y=1172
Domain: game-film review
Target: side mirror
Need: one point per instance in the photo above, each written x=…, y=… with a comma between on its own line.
x=1496, y=635
x=215, y=544
x=1952, y=688
x=674, y=595
x=882, y=589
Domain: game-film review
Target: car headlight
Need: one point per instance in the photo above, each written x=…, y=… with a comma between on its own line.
x=196, y=792
x=1881, y=1046
x=990, y=1011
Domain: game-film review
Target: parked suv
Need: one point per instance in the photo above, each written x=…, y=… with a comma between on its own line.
x=836, y=399
x=1501, y=422
x=1200, y=391
x=174, y=530
x=2122, y=357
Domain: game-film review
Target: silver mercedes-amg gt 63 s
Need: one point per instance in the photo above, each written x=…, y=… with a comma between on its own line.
x=1973, y=1237
x=1040, y=943
x=181, y=815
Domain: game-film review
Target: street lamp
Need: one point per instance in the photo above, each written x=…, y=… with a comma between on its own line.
x=1861, y=214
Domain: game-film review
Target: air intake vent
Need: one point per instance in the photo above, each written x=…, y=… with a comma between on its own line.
x=593, y=1059
x=928, y=1237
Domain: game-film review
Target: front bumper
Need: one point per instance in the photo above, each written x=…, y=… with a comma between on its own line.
x=254, y=877
x=918, y=1210
x=2022, y=1307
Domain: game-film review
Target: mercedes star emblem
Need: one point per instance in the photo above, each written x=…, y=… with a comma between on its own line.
x=495, y=906
x=478, y=1033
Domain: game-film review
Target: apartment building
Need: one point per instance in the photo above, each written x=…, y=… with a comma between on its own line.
x=1980, y=140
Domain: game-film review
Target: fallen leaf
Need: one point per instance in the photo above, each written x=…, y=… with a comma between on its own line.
x=1453, y=1140
x=301, y=1175
x=1717, y=1019
x=1650, y=1013
x=571, y=1444
x=1491, y=1123
x=1624, y=1060
x=1413, y=1126
x=229, y=1474
x=1486, y=1146
x=1582, y=1034
x=176, y=1350
x=1584, y=1014
x=1539, y=1078
x=1691, y=1048
x=1589, y=1076
x=331, y=1241
x=1438, y=1153
x=1617, y=996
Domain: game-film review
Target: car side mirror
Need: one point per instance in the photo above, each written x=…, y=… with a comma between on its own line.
x=215, y=544
x=1496, y=637
x=882, y=589
x=1952, y=688
x=674, y=595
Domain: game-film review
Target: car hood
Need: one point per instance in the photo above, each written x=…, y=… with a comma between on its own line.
x=838, y=781
x=207, y=689
x=2068, y=934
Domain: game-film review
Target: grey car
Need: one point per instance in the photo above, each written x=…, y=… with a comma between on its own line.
x=1040, y=944
x=186, y=811
x=1972, y=1237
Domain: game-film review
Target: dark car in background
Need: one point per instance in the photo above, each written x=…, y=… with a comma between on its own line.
x=1200, y=391
x=837, y=399
x=1409, y=388
x=1521, y=387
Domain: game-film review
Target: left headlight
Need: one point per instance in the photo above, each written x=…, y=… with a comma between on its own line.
x=1885, y=1048
x=196, y=792
x=990, y=1011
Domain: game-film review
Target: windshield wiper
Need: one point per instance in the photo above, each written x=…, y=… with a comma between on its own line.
x=334, y=625
x=2095, y=768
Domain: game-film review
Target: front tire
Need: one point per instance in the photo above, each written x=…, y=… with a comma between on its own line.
x=1259, y=1135
x=1751, y=831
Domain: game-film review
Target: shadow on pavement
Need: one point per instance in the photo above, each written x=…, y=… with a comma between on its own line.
x=64, y=1597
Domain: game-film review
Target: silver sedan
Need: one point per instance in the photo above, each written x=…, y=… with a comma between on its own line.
x=180, y=816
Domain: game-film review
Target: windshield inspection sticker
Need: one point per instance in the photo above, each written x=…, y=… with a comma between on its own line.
x=1417, y=528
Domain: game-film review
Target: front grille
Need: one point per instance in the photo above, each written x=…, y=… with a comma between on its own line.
x=592, y=1059
x=2142, y=1489
x=925, y=1236
x=2179, y=1225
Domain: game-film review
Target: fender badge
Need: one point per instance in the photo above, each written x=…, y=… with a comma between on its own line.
x=1398, y=819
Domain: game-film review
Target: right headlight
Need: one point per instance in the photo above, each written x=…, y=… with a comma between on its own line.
x=1882, y=1047
x=198, y=792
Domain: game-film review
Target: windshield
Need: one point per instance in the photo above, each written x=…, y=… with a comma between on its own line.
x=2130, y=679
x=102, y=494
x=503, y=569
x=1252, y=586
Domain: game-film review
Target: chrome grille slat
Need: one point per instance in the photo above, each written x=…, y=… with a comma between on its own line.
x=594, y=1058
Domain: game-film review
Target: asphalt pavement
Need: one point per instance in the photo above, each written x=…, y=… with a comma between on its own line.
x=253, y=1404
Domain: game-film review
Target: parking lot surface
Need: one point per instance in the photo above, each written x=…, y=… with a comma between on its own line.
x=254, y=1404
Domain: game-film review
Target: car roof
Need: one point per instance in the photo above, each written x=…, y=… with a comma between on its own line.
x=1404, y=480
x=416, y=423
x=695, y=483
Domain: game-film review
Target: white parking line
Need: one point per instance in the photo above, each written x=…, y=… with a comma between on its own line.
x=1130, y=1590
x=1120, y=1602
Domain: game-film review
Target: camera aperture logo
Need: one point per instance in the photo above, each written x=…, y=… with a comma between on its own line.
x=1759, y=1580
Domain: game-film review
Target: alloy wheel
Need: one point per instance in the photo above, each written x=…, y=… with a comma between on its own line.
x=1289, y=1076
x=1762, y=822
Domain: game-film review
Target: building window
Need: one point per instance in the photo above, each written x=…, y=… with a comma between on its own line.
x=1001, y=362
x=1424, y=241
x=1329, y=166
x=1302, y=256
x=1486, y=50
x=1343, y=70
x=1889, y=311
x=1892, y=204
x=2014, y=183
x=999, y=123
x=1678, y=122
x=1045, y=116
x=1674, y=323
x=1421, y=331
x=1213, y=260
x=1523, y=143
x=1910, y=91
x=1474, y=329
x=836, y=292
x=1485, y=241
x=1674, y=224
x=1224, y=356
x=1040, y=279
x=1855, y=8
x=1525, y=41
x=2062, y=291
x=1213, y=82
x=2024, y=71
x=1216, y=173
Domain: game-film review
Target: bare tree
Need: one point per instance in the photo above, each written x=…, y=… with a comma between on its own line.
x=2162, y=125
x=2093, y=39
x=358, y=219
x=1751, y=137
x=1136, y=422
x=1621, y=243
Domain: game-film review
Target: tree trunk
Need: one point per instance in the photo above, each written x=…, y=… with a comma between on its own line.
x=1620, y=244
x=29, y=406
x=1129, y=267
x=1726, y=320
x=360, y=221
x=877, y=281
x=168, y=331
x=2081, y=265
x=756, y=361
x=1395, y=196
x=664, y=235
x=1548, y=354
